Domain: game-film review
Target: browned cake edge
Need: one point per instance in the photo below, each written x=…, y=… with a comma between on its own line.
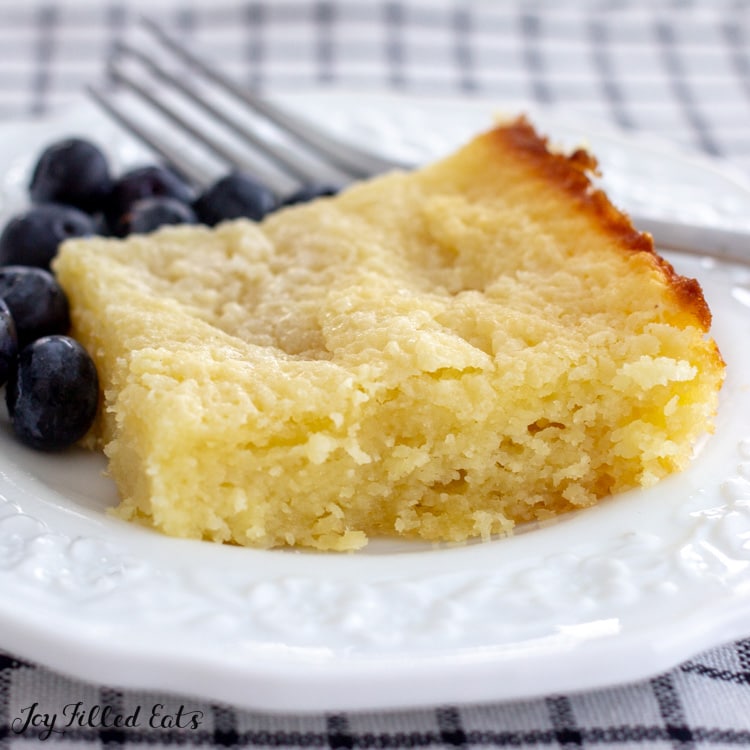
x=573, y=173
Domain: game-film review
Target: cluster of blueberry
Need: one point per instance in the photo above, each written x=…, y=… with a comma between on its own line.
x=51, y=382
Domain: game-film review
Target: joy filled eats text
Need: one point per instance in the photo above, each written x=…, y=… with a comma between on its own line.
x=33, y=719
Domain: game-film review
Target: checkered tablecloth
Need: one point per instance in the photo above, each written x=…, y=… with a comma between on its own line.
x=674, y=68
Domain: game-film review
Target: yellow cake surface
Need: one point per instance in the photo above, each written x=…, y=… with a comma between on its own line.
x=440, y=354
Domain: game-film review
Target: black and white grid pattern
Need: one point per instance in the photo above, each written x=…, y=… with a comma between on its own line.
x=705, y=703
x=673, y=68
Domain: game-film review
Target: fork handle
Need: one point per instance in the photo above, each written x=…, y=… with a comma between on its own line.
x=695, y=239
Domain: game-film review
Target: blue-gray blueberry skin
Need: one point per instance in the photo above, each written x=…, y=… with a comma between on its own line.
x=235, y=196
x=148, y=214
x=36, y=301
x=309, y=192
x=53, y=394
x=32, y=238
x=73, y=171
x=8, y=343
x=151, y=181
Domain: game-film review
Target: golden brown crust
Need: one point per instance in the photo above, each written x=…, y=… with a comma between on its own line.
x=573, y=174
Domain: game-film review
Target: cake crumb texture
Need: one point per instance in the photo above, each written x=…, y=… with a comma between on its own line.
x=441, y=354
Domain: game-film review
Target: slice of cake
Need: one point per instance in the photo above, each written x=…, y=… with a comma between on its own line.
x=440, y=354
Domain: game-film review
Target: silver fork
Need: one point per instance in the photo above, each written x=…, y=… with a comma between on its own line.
x=295, y=159
x=231, y=125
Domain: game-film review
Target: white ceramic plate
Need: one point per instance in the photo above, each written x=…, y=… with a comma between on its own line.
x=616, y=593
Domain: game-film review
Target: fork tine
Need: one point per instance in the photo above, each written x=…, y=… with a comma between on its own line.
x=356, y=162
x=170, y=155
x=278, y=156
x=278, y=183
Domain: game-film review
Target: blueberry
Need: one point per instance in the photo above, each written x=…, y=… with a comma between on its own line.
x=36, y=301
x=149, y=214
x=153, y=181
x=32, y=237
x=53, y=396
x=8, y=343
x=309, y=192
x=234, y=196
x=72, y=171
